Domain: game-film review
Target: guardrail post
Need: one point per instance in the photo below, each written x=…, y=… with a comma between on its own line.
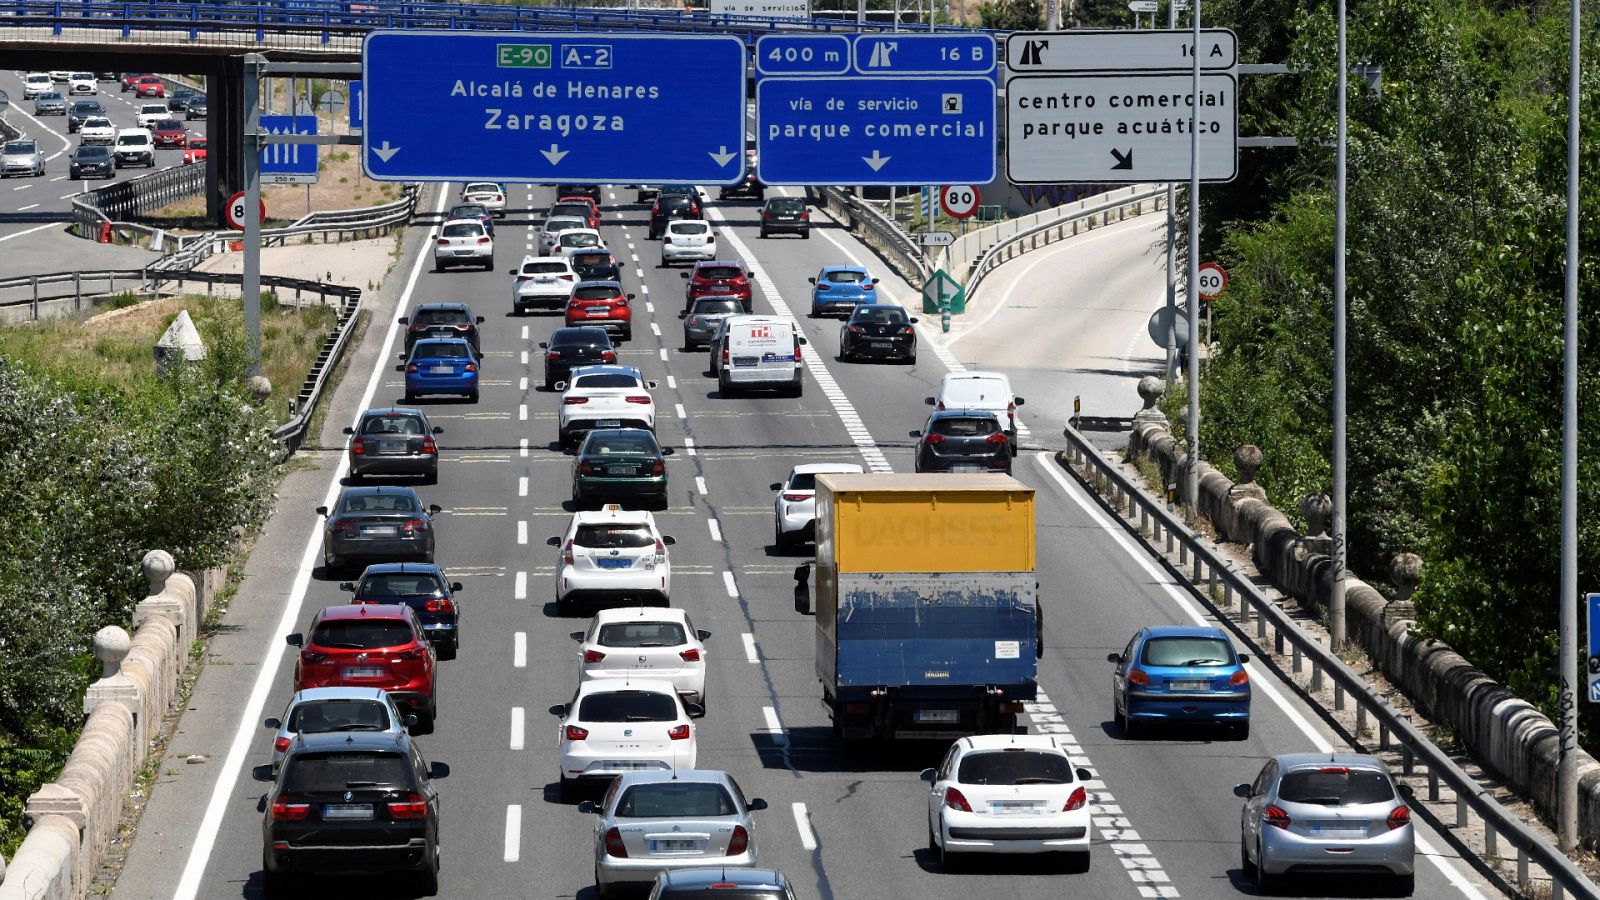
x=1408, y=760
x=77, y=291
x=1169, y=540
x=1197, y=572
x=1297, y=658
x=1244, y=605
x=1433, y=785
x=1338, y=697
x=1183, y=554
x=1490, y=841
x=1361, y=722
x=1522, y=867
x=1316, y=677
x=1277, y=641
x=1383, y=736
x=1461, y=810
x=1555, y=889
x=34, y=307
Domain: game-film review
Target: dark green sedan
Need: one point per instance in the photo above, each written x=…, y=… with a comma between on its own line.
x=623, y=465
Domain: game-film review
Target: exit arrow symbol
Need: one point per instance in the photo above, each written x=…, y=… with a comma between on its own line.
x=876, y=160
x=554, y=154
x=384, y=151
x=724, y=157
x=1124, y=160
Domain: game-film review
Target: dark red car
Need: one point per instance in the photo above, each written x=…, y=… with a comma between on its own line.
x=370, y=645
x=719, y=278
x=601, y=304
x=169, y=133
x=129, y=79
x=150, y=86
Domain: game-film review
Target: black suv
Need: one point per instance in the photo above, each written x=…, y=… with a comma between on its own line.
x=442, y=320
x=786, y=215
x=674, y=203
x=595, y=264
x=569, y=348
x=82, y=110
x=350, y=802
x=592, y=191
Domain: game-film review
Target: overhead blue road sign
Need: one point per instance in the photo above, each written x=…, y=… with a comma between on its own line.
x=289, y=159
x=554, y=108
x=927, y=118
x=356, y=117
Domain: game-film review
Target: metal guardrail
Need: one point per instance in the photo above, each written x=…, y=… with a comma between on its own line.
x=882, y=234
x=1046, y=233
x=372, y=220
x=112, y=203
x=1130, y=500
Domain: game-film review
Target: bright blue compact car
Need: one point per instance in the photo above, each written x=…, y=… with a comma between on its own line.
x=445, y=366
x=840, y=289
x=1177, y=674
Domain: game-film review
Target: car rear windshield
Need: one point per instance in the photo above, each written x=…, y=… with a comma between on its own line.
x=463, y=229
x=976, y=392
x=317, y=716
x=483, y=187
x=344, y=769
x=1335, y=786
x=689, y=228
x=879, y=316
x=577, y=238
x=622, y=445
x=613, y=537
x=711, y=307
x=442, y=350
x=400, y=584
x=544, y=268
x=363, y=634
x=641, y=634
x=973, y=426
x=846, y=277
x=197, y=143
x=379, y=503
x=592, y=260
x=596, y=293
x=803, y=481
x=1187, y=651
x=1015, y=767
x=719, y=272
x=83, y=106
x=628, y=706
x=578, y=337
x=581, y=210
x=440, y=317
x=674, y=201
x=391, y=425
x=649, y=801
x=787, y=204
x=467, y=212
x=606, y=380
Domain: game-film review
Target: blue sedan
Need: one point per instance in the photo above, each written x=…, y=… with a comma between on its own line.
x=1175, y=673
x=446, y=366
x=840, y=289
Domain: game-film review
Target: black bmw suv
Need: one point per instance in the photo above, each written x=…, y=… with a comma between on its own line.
x=442, y=320
x=350, y=802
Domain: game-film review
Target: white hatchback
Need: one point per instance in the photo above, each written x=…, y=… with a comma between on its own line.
x=688, y=240
x=488, y=194
x=463, y=242
x=550, y=235
x=603, y=397
x=795, y=507
x=542, y=282
x=612, y=554
x=617, y=726
x=575, y=240
x=639, y=642
x=1008, y=794
x=82, y=83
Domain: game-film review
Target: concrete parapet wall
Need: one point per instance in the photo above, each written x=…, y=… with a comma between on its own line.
x=1505, y=733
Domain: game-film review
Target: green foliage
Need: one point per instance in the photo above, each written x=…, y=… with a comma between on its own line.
x=1012, y=15
x=24, y=770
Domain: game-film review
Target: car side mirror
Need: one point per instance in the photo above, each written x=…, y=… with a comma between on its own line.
x=1019, y=401
x=322, y=510
x=400, y=367
x=777, y=486
x=560, y=709
x=912, y=320
x=480, y=320
x=295, y=640
x=696, y=710
x=434, y=509
x=916, y=434
x=438, y=770
x=1242, y=791
x=928, y=400
x=929, y=775
x=405, y=320
x=559, y=386
x=1244, y=658
x=812, y=280
x=668, y=539
x=630, y=296
x=455, y=587
x=756, y=804
x=400, y=355
x=588, y=806
x=667, y=451
x=262, y=773
x=553, y=541
x=683, y=314
x=683, y=275
x=749, y=274
x=650, y=384
x=347, y=586
x=274, y=723
x=804, y=341
x=409, y=719
x=544, y=345
x=511, y=271
x=875, y=280
x=703, y=635
x=575, y=635
x=349, y=430
x=1114, y=658
x=1083, y=774
x=438, y=429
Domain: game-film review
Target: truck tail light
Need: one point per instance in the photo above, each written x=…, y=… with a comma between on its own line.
x=614, y=845
x=953, y=799
x=358, y=446
x=740, y=842
x=680, y=733
x=1399, y=817
x=413, y=807
x=1077, y=800
x=1275, y=816
x=574, y=733
x=284, y=811
x=690, y=655
x=593, y=656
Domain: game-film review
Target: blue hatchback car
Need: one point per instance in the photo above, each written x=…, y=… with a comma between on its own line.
x=445, y=366
x=1175, y=673
x=840, y=289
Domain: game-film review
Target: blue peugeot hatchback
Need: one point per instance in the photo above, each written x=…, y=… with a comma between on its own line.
x=840, y=289
x=1175, y=673
x=446, y=366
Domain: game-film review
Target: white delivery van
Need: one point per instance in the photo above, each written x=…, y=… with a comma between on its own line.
x=758, y=352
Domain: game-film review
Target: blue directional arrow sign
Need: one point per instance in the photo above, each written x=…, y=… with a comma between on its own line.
x=288, y=159
x=356, y=118
x=554, y=108
x=924, y=115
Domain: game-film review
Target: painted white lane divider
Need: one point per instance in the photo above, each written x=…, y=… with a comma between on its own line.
x=651, y=309
x=516, y=727
x=688, y=443
x=522, y=486
x=750, y=653
x=700, y=485
x=678, y=408
x=716, y=530
x=524, y=332
x=522, y=412
x=522, y=446
x=524, y=357
x=519, y=650
x=519, y=590
x=774, y=725
x=802, y=824
x=664, y=354
x=522, y=383
x=522, y=531
x=513, y=832
x=727, y=582
x=655, y=329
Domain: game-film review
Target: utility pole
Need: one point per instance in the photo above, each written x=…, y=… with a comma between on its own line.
x=1192, y=483
x=250, y=287
x=1341, y=522
x=1567, y=769
x=1172, y=247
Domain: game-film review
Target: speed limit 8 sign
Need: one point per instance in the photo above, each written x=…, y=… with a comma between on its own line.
x=236, y=211
x=1211, y=280
x=959, y=200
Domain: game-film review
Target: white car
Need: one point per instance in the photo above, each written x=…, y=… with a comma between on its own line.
x=612, y=554
x=151, y=113
x=636, y=641
x=611, y=727
x=487, y=194
x=987, y=391
x=83, y=83
x=97, y=130
x=59, y=77
x=36, y=83
x=603, y=397
x=688, y=240
x=542, y=282
x=463, y=242
x=550, y=234
x=795, y=507
x=575, y=239
x=1008, y=794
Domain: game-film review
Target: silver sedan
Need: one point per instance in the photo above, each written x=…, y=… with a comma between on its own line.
x=21, y=158
x=650, y=822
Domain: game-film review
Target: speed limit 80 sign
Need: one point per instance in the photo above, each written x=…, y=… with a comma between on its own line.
x=959, y=200
x=236, y=211
x=1211, y=280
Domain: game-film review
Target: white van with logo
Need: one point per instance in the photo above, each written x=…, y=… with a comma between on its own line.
x=758, y=352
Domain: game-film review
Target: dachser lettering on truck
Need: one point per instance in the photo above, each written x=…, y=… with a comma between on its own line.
x=930, y=531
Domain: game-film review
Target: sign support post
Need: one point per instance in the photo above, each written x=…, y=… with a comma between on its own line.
x=255, y=65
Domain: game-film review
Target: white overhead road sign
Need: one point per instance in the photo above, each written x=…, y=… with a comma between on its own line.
x=1119, y=51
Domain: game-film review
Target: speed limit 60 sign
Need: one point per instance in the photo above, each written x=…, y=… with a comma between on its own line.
x=1212, y=280
x=236, y=211
x=959, y=200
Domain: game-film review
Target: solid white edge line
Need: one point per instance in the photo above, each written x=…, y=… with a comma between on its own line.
x=211, y=823
x=39, y=228
x=516, y=728
x=750, y=648
x=802, y=824
x=519, y=650
x=513, y=832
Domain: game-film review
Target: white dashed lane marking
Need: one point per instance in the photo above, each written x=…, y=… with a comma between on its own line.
x=727, y=581
x=802, y=823
x=750, y=654
x=516, y=727
x=716, y=530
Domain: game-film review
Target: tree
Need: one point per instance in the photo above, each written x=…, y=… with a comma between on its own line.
x=1012, y=15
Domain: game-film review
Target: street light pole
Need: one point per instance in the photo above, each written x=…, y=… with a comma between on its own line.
x=250, y=285
x=1172, y=247
x=1341, y=547
x=1567, y=769
x=1192, y=482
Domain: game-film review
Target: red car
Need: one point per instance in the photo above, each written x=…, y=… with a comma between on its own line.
x=594, y=208
x=196, y=150
x=169, y=133
x=129, y=79
x=717, y=278
x=370, y=645
x=601, y=304
x=150, y=86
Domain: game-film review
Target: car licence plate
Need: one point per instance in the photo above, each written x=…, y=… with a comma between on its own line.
x=1013, y=807
x=443, y=370
x=622, y=765
x=744, y=361
x=607, y=423
x=616, y=563
x=1190, y=685
x=941, y=716
x=1335, y=832
x=879, y=345
x=674, y=846
x=347, y=811
x=599, y=312
x=463, y=252
x=362, y=671
x=620, y=470
x=378, y=531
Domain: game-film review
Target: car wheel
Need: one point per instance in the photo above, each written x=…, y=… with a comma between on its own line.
x=947, y=859
x=273, y=884
x=447, y=651
x=472, y=397
x=806, y=234
x=1265, y=882
x=1118, y=719
x=1245, y=865
x=490, y=264
x=780, y=541
x=724, y=388
x=1241, y=731
x=627, y=334
x=428, y=881
x=933, y=845
x=799, y=389
x=1405, y=885
x=568, y=792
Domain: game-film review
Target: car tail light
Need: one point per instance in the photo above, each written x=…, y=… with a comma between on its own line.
x=854, y=329
x=413, y=807
x=1275, y=816
x=644, y=400
x=740, y=842
x=1077, y=800
x=1239, y=677
x=411, y=368
x=284, y=811
x=796, y=498
x=658, y=468
x=999, y=437
x=410, y=654
x=614, y=845
x=472, y=367
x=587, y=468
x=766, y=214
x=711, y=239
x=694, y=322
x=440, y=605
x=805, y=216
x=566, y=549
x=953, y=799
x=1335, y=770
x=907, y=330
x=593, y=656
x=866, y=287
x=934, y=438
x=344, y=526
x=444, y=242
x=724, y=355
x=281, y=745
x=549, y=235
x=358, y=446
x=1137, y=676
x=574, y=733
x=680, y=733
x=574, y=401
x=553, y=354
x=690, y=655
x=857, y=709
x=413, y=525
x=797, y=353
x=608, y=355
x=939, y=405
x=621, y=303
x=1011, y=413
x=428, y=445
x=313, y=657
x=1399, y=817
x=824, y=287
x=655, y=207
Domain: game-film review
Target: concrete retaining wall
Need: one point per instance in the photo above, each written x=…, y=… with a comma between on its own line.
x=73, y=818
x=1504, y=733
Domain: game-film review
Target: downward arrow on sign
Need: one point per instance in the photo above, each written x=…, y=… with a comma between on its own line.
x=384, y=151
x=725, y=156
x=876, y=160
x=554, y=154
x=1124, y=160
